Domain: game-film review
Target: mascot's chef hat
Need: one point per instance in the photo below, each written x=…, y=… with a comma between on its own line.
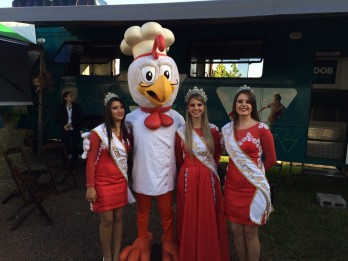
x=150, y=39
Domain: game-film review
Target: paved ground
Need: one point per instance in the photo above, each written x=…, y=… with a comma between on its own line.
x=74, y=233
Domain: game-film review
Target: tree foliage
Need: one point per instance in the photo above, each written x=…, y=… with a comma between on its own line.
x=222, y=72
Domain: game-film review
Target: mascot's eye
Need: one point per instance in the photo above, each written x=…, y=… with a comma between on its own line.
x=166, y=71
x=148, y=74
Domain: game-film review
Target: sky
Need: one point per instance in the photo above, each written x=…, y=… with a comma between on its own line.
x=8, y=3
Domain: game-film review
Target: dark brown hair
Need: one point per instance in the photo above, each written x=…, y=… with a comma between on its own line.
x=65, y=94
x=109, y=122
x=252, y=100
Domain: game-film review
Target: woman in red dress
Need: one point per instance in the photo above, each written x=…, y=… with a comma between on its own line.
x=106, y=175
x=250, y=146
x=202, y=231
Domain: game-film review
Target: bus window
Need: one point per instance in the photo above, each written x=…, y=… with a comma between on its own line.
x=111, y=67
x=226, y=59
x=89, y=58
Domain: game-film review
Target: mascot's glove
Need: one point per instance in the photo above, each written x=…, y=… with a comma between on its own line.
x=85, y=144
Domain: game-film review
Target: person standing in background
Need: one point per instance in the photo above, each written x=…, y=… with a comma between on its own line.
x=69, y=119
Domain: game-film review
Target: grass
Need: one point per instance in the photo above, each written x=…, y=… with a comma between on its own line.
x=300, y=229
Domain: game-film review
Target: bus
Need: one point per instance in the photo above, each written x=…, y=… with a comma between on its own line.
x=293, y=55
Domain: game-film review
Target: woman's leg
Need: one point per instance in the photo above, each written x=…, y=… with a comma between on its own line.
x=252, y=242
x=105, y=233
x=239, y=241
x=66, y=141
x=117, y=233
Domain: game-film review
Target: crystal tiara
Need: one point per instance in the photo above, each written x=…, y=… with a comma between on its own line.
x=108, y=96
x=194, y=91
x=244, y=87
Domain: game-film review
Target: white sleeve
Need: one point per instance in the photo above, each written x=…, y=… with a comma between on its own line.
x=128, y=123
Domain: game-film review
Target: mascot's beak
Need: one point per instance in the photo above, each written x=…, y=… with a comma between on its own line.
x=159, y=92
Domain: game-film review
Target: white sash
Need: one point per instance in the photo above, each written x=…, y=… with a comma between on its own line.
x=261, y=204
x=118, y=154
x=200, y=150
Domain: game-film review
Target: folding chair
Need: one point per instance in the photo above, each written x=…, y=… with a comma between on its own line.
x=33, y=194
x=57, y=162
x=17, y=155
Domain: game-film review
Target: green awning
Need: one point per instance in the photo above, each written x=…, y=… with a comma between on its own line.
x=15, y=80
x=18, y=31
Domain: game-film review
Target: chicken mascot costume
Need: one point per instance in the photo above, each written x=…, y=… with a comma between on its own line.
x=153, y=81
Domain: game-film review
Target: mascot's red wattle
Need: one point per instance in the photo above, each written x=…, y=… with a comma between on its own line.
x=153, y=80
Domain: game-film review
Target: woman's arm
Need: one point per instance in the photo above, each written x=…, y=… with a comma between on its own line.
x=62, y=116
x=217, y=144
x=178, y=151
x=268, y=148
x=95, y=141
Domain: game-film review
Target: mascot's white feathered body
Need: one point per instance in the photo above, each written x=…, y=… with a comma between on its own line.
x=153, y=80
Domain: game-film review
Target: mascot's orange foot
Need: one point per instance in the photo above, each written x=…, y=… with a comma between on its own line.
x=139, y=251
x=170, y=250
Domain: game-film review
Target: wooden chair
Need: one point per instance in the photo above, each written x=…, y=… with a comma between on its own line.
x=17, y=155
x=58, y=163
x=33, y=194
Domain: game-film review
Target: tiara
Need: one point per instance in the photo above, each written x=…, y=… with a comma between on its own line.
x=244, y=87
x=194, y=91
x=108, y=96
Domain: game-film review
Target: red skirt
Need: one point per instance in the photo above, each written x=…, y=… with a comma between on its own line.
x=238, y=195
x=202, y=229
x=110, y=185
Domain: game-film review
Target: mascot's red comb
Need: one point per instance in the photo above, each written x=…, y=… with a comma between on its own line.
x=159, y=44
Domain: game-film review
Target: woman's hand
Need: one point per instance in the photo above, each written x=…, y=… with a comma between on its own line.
x=67, y=126
x=91, y=194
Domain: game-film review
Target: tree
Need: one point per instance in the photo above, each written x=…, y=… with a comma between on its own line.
x=222, y=72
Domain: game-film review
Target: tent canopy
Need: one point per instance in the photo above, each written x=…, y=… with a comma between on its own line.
x=18, y=31
x=15, y=81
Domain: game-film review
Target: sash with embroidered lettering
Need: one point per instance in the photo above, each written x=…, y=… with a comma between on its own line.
x=118, y=154
x=261, y=204
x=200, y=150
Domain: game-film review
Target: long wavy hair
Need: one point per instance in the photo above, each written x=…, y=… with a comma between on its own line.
x=207, y=136
x=109, y=122
x=252, y=100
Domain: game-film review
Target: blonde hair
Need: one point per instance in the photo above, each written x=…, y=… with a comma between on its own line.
x=207, y=136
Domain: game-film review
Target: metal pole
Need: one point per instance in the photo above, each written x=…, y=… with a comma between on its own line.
x=39, y=130
x=40, y=109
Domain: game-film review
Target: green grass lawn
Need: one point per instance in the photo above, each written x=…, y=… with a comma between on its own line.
x=300, y=229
